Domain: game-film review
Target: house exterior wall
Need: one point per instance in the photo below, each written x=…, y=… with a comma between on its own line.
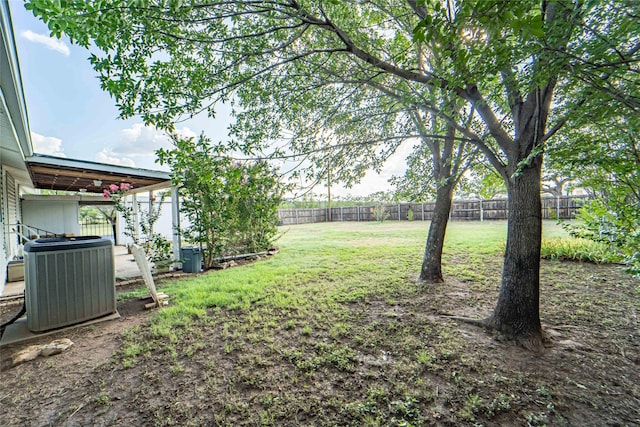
x=57, y=217
x=3, y=263
x=3, y=253
x=163, y=226
x=11, y=212
x=15, y=140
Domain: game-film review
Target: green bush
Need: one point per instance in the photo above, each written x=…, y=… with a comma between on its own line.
x=231, y=206
x=578, y=249
x=380, y=213
x=614, y=222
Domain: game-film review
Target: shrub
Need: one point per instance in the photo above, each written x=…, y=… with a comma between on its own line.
x=380, y=213
x=231, y=206
x=614, y=222
x=578, y=249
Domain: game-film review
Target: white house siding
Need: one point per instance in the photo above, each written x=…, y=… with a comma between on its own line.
x=5, y=261
x=15, y=140
x=163, y=226
x=9, y=212
x=2, y=221
x=57, y=217
x=3, y=252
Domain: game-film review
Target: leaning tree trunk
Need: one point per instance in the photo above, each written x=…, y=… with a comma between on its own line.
x=517, y=312
x=431, y=271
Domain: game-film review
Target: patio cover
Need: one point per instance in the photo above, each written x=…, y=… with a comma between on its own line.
x=57, y=173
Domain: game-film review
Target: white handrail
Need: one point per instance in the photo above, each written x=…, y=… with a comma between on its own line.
x=22, y=229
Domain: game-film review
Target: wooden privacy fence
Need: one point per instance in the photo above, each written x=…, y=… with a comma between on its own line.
x=563, y=207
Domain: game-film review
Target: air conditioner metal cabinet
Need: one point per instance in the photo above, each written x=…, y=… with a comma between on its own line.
x=68, y=280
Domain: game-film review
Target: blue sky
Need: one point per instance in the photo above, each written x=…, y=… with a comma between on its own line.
x=69, y=113
x=70, y=116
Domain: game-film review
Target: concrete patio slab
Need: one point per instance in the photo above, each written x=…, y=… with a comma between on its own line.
x=19, y=332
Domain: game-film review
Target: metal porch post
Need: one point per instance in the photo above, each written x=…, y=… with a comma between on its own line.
x=175, y=223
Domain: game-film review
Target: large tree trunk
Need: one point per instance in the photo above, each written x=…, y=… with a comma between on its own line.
x=517, y=312
x=431, y=271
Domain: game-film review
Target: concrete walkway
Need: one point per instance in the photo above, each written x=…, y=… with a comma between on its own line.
x=125, y=267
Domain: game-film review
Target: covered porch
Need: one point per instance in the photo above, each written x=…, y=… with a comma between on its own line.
x=83, y=183
x=88, y=180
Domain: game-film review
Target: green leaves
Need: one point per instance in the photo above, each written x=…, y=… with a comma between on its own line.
x=614, y=222
x=231, y=207
x=423, y=31
x=332, y=81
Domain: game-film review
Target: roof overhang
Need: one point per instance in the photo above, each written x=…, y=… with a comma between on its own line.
x=15, y=143
x=81, y=199
x=56, y=173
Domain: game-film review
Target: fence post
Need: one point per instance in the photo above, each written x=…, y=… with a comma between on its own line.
x=341, y=214
x=296, y=211
x=399, y=212
x=481, y=211
x=358, y=213
x=558, y=208
x=423, y=211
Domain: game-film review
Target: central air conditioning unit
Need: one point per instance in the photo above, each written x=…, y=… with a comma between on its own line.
x=68, y=280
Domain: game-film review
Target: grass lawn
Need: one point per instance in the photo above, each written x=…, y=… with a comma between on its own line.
x=334, y=330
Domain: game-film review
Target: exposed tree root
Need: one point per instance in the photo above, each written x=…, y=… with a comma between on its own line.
x=429, y=280
x=534, y=342
x=483, y=323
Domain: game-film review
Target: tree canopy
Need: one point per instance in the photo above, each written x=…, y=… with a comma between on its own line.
x=300, y=64
x=316, y=70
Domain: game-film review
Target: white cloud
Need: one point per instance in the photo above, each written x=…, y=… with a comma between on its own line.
x=140, y=132
x=109, y=157
x=48, y=145
x=185, y=132
x=396, y=164
x=48, y=42
x=142, y=141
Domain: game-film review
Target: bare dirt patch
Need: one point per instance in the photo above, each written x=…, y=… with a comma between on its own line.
x=47, y=380
x=387, y=360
